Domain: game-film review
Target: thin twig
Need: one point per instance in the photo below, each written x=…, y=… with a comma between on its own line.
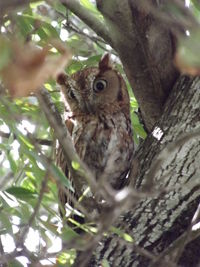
x=64, y=138
x=44, y=142
x=172, y=249
x=23, y=235
x=95, y=39
x=5, y=179
x=88, y=18
x=1, y=248
x=179, y=250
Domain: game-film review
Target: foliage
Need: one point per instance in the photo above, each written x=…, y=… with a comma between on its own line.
x=28, y=196
x=23, y=128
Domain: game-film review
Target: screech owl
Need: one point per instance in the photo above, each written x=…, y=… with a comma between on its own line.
x=97, y=115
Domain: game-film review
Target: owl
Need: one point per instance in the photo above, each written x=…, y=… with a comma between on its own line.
x=97, y=115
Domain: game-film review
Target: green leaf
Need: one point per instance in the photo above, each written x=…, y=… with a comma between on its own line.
x=25, y=141
x=105, y=263
x=59, y=7
x=134, y=118
x=26, y=212
x=188, y=49
x=122, y=234
x=66, y=258
x=50, y=30
x=136, y=138
x=68, y=234
x=140, y=131
x=25, y=24
x=36, y=4
x=50, y=211
x=4, y=202
x=45, y=237
x=3, y=147
x=15, y=263
x=60, y=106
x=5, y=52
x=79, y=46
x=29, y=183
x=74, y=67
x=196, y=4
x=75, y=165
x=87, y=4
x=3, y=231
x=63, y=179
x=5, y=221
x=133, y=103
x=128, y=238
x=92, y=61
x=21, y=193
x=137, y=127
x=42, y=34
x=50, y=226
x=12, y=162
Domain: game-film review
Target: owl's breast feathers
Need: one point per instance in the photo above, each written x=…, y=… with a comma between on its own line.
x=105, y=144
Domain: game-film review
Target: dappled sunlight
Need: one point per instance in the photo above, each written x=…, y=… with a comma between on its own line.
x=99, y=133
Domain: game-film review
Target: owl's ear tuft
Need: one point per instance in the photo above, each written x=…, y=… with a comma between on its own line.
x=61, y=78
x=105, y=62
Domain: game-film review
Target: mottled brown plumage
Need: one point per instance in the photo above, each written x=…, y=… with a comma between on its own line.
x=97, y=114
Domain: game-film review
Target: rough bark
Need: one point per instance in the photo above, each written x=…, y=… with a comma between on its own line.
x=143, y=45
x=157, y=222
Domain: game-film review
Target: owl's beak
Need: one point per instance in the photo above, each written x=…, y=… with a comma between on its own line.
x=86, y=106
x=87, y=103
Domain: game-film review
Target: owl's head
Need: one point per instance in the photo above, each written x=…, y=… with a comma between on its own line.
x=95, y=89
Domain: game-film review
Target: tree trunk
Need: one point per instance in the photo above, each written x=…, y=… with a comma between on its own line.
x=156, y=222
x=143, y=44
x=160, y=224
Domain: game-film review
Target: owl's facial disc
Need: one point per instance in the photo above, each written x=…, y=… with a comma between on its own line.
x=106, y=88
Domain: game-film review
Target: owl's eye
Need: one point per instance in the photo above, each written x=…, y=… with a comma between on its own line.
x=99, y=85
x=71, y=94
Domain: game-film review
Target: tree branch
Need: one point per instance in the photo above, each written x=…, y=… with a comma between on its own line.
x=36, y=209
x=72, y=27
x=44, y=142
x=64, y=138
x=177, y=24
x=143, y=45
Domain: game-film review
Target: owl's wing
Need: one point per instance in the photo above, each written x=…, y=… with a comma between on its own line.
x=70, y=125
x=63, y=193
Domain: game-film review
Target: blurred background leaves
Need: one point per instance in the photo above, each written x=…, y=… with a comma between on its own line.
x=25, y=134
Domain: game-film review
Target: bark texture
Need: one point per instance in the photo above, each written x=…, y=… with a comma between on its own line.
x=143, y=44
x=156, y=222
